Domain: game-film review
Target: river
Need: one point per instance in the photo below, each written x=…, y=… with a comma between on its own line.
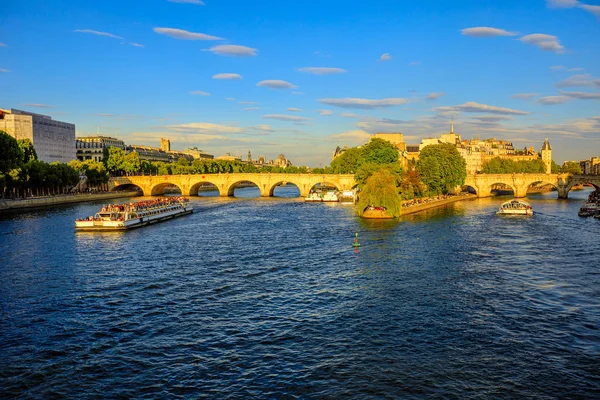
x=266, y=298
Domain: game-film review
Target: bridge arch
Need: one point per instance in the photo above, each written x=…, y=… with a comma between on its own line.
x=285, y=181
x=531, y=186
x=159, y=188
x=196, y=187
x=126, y=187
x=231, y=188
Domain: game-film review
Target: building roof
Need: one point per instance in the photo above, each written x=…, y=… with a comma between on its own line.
x=546, y=145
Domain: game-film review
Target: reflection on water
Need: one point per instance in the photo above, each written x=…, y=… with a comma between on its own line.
x=261, y=297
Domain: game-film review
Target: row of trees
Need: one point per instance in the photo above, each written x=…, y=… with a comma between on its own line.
x=22, y=174
x=119, y=163
x=499, y=165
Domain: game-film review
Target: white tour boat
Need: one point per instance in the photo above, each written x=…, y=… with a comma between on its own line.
x=515, y=207
x=331, y=197
x=348, y=196
x=116, y=217
x=314, y=197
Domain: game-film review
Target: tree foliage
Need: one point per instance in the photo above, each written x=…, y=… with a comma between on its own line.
x=441, y=168
x=28, y=150
x=498, y=165
x=11, y=155
x=380, y=190
x=572, y=167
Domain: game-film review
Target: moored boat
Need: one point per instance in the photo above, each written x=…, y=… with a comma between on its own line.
x=348, y=196
x=592, y=207
x=515, y=207
x=117, y=217
x=330, y=197
x=313, y=197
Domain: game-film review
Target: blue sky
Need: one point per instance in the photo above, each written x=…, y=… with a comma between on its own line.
x=301, y=78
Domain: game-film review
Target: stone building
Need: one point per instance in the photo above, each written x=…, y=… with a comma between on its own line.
x=197, y=153
x=53, y=140
x=547, y=156
x=92, y=147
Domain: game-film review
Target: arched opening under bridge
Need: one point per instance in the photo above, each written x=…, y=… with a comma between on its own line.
x=502, y=189
x=542, y=188
x=128, y=187
x=285, y=190
x=468, y=189
x=204, y=189
x=165, y=189
x=244, y=189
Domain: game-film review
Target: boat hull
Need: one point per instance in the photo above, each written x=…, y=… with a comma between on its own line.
x=98, y=226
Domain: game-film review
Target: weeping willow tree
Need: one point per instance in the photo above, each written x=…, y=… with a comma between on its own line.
x=380, y=191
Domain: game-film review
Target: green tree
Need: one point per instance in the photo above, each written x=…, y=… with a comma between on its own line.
x=441, y=168
x=131, y=163
x=378, y=151
x=380, y=191
x=28, y=150
x=347, y=162
x=115, y=161
x=11, y=155
x=555, y=168
x=572, y=167
x=95, y=173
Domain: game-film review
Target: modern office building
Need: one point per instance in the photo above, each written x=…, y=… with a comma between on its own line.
x=53, y=140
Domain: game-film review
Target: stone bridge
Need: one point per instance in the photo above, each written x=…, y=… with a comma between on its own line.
x=520, y=183
x=226, y=183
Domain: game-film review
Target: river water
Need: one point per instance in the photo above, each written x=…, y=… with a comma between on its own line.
x=266, y=298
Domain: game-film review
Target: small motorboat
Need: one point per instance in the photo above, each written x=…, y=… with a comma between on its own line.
x=515, y=207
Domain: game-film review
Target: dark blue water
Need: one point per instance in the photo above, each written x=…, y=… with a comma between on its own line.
x=266, y=298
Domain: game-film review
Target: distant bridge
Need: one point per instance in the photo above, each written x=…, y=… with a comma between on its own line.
x=266, y=183
x=520, y=183
x=226, y=183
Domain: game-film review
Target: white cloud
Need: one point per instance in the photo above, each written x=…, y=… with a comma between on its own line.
x=356, y=136
x=575, y=69
x=493, y=118
x=3, y=45
x=592, y=9
x=552, y=100
x=524, y=96
x=385, y=57
x=579, y=80
x=298, y=93
x=435, y=95
x=322, y=70
x=472, y=107
x=197, y=2
x=582, y=95
x=276, y=84
x=325, y=113
x=98, y=33
x=485, y=31
x=294, y=109
x=562, y=3
x=4, y=70
x=349, y=102
x=206, y=127
x=39, y=105
x=230, y=98
x=199, y=93
x=247, y=102
x=544, y=42
x=284, y=117
x=227, y=76
x=105, y=115
x=136, y=44
x=184, y=35
x=233, y=50
x=349, y=115
x=557, y=68
x=251, y=108
x=414, y=63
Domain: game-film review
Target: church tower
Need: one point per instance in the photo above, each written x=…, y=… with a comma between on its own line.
x=547, y=156
x=249, y=156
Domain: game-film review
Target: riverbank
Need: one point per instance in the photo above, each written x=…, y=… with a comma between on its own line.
x=435, y=203
x=39, y=202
